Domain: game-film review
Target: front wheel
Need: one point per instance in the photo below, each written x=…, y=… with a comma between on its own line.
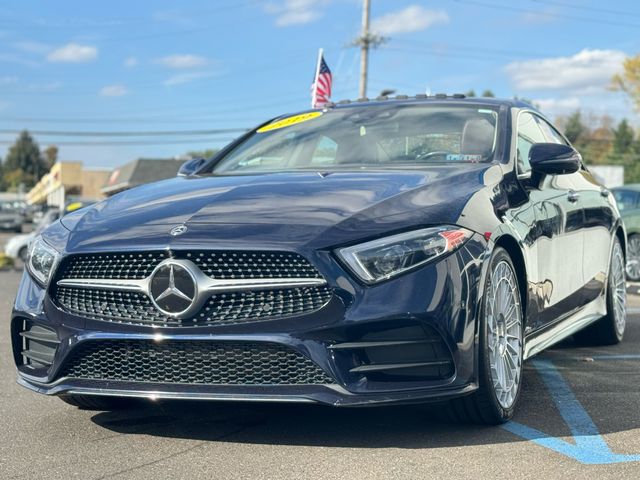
x=500, y=348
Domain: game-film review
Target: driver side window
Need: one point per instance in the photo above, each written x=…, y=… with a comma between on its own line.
x=529, y=132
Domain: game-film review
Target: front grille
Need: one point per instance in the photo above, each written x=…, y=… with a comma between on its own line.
x=192, y=362
x=131, y=265
x=229, y=264
x=221, y=309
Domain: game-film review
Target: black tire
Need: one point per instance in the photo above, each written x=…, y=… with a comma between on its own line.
x=606, y=331
x=482, y=406
x=94, y=402
x=633, y=274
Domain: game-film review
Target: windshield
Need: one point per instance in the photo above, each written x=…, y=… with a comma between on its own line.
x=374, y=136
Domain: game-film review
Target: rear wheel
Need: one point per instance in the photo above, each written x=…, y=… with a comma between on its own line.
x=500, y=355
x=633, y=258
x=609, y=330
x=93, y=402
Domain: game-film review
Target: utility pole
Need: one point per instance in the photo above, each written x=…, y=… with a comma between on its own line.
x=365, y=41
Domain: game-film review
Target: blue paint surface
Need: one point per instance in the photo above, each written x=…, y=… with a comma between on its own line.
x=589, y=447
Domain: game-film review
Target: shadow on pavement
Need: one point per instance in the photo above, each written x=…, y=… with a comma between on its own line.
x=419, y=426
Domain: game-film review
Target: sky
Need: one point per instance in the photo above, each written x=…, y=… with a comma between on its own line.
x=169, y=67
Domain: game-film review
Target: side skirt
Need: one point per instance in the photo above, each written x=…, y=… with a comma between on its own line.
x=538, y=341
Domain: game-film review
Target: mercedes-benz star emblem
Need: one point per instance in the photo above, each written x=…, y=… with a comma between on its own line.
x=173, y=288
x=179, y=230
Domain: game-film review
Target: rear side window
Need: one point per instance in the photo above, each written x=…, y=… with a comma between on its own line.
x=529, y=132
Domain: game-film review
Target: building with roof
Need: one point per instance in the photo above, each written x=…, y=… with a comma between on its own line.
x=67, y=179
x=139, y=172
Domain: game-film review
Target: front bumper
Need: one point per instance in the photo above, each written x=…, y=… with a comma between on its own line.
x=440, y=299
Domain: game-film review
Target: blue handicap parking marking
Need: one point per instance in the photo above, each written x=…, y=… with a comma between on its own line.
x=589, y=447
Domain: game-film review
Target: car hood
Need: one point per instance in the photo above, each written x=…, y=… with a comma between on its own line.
x=276, y=209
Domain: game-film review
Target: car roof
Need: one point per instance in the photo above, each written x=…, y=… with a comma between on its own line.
x=422, y=99
x=635, y=187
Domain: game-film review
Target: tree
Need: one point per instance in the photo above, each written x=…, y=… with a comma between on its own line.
x=574, y=128
x=208, y=153
x=488, y=93
x=24, y=163
x=629, y=80
x=50, y=156
x=623, y=138
x=470, y=93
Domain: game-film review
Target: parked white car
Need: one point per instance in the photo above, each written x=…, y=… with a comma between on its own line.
x=17, y=247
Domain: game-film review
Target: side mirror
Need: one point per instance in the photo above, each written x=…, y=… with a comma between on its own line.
x=191, y=166
x=553, y=159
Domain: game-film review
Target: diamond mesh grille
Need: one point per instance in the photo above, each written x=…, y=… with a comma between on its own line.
x=132, y=265
x=221, y=309
x=192, y=362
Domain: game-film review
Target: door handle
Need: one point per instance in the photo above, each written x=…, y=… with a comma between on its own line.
x=573, y=196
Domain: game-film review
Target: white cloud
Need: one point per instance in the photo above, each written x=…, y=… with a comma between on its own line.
x=183, y=78
x=130, y=62
x=411, y=19
x=558, y=105
x=183, y=61
x=587, y=69
x=297, y=12
x=73, y=53
x=116, y=90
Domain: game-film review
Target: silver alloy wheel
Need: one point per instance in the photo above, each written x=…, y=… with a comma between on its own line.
x=504, y=333
x=633, y=258
x=618, y=287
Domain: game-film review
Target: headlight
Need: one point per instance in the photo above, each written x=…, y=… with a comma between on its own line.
x=42, y=261
x=390, y=256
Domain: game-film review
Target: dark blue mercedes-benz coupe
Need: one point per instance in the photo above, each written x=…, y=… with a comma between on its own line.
x=370, y=253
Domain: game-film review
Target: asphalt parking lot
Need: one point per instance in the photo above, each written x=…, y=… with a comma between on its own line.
x=579, y=418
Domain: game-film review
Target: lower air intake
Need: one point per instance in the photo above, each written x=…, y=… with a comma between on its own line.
x=192, y=362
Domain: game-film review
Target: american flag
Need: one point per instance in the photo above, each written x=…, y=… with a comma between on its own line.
x=321, y=87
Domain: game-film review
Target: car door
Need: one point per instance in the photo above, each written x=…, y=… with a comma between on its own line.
x=558, y=233
x=597, y=205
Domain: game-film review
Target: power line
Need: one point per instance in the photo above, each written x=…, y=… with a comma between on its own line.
x=131, y=142
x=445, y=48
x=599, y=21
x=123, y=21
x=164, y=133
x=588, y=8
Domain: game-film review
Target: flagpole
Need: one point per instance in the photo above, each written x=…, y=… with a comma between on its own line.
x=315, y=79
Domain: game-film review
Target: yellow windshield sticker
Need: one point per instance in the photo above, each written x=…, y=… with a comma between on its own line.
x=287, y=122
